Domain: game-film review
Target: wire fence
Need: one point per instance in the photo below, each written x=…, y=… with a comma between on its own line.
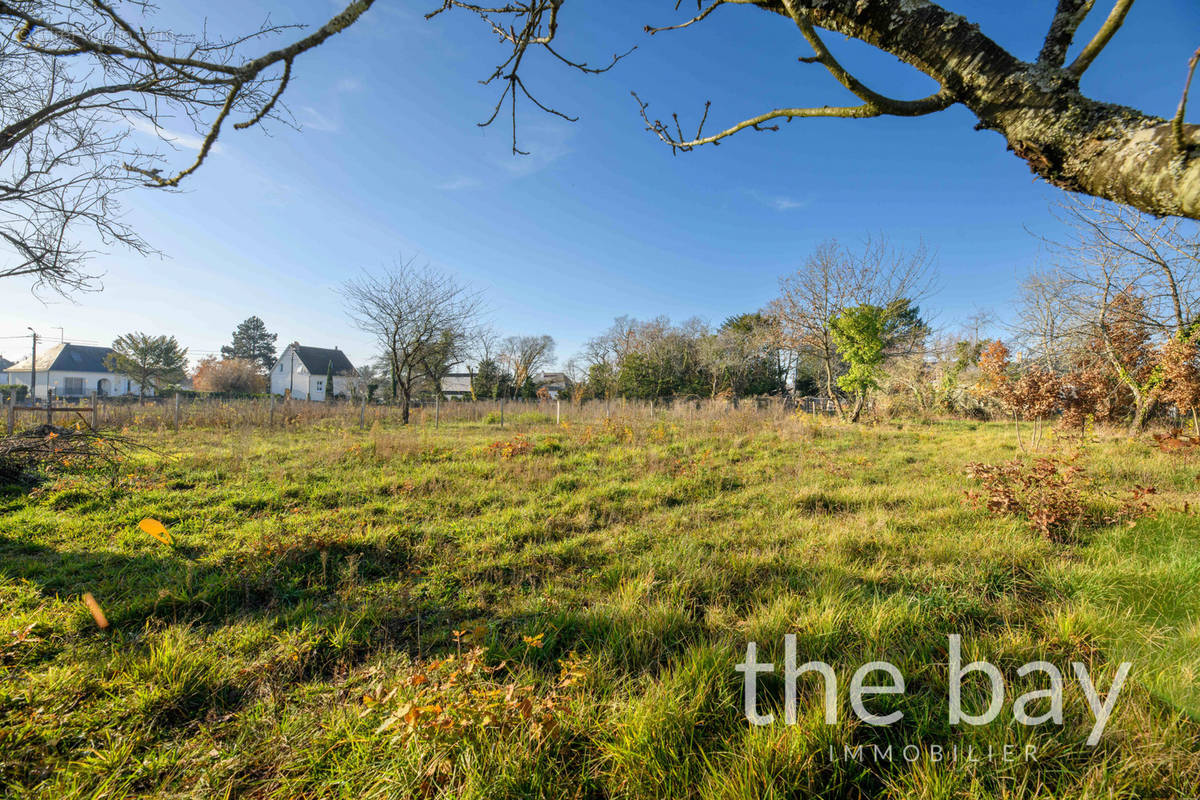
x=179, y=412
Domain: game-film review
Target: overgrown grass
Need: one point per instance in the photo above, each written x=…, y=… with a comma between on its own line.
x=411, y=612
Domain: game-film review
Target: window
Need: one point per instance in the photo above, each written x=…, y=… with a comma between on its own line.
x=73, y=387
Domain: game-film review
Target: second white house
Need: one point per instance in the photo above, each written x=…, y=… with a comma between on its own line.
x=303, y=372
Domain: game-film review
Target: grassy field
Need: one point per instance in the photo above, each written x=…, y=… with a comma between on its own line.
x=476, y=612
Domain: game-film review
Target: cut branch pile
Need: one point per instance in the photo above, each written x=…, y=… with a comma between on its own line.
x=49, y=447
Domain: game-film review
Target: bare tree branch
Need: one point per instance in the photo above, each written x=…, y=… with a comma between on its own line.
x=533, y=23
x=1103, y=36
x=1181, y=144
x=78, y=77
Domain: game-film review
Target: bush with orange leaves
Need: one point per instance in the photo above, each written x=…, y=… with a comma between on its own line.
x=229, y=375
x=1054, y=496
x=1084, y=396
x=1179, y=365
x=519, y=445
x=1046, y=493
x=1033, y=395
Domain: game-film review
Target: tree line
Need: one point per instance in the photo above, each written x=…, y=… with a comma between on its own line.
x=1108, y=333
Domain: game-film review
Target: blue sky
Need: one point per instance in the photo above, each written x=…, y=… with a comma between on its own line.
x=600, y=220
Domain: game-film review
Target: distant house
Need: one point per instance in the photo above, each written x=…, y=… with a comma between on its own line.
x=4, y=364
x=71, y=370
x=302, y=371
x=556, y=383
x=456, y=386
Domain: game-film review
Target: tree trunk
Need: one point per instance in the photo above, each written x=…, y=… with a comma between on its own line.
x=831, y=388
x=1076, y=143
x=404, y=410
x=1143, y=407
x=859, y=401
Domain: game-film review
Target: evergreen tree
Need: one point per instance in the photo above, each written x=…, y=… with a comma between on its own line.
x=252, y=342
x=485, y=384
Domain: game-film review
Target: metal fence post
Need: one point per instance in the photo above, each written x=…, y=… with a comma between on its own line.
x=177, y=411
x=557, y=411
x=501, y=412
x=271, y=411
x=437, y=409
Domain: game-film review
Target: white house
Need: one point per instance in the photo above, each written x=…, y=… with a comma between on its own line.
x=456, y=386
x=556, y=383
x=302, y=371
x=71, y=370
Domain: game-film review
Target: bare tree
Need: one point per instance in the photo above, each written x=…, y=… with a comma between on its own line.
x=1041, y=328
x=1070, y=140
x=78, y=76
x=417, y=316
x=525, y=355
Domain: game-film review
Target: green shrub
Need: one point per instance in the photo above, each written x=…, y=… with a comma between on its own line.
x=19, y=389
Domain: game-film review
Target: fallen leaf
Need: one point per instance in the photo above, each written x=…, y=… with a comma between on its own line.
x=156, y=529
x=97, y=611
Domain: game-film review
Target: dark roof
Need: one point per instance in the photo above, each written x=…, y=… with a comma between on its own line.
x=317, y=359
x=68, y=357
x=4, y=363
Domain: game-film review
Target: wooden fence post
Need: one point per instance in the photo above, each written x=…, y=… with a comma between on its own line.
x=95, y=415
x=501, y=412
x=437, y=409
x=12, y=413
x=49, y=405
x=271, y=411
x=362, y=413
x=177, y=411
x=557, y=411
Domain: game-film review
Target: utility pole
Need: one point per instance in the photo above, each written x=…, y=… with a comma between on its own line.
x=33, y=369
